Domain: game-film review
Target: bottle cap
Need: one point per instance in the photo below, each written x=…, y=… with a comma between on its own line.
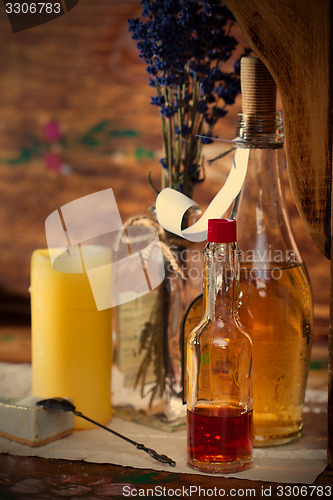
x=221, y=230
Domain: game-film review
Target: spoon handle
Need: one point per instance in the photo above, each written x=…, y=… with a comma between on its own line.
x=160, y=458
x=157, y=456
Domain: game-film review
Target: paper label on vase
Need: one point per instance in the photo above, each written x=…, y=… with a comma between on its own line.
x=132, y=319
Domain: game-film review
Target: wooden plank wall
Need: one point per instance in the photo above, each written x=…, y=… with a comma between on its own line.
x=82, y=69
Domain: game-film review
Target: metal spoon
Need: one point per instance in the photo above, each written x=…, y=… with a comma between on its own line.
x=61, y=404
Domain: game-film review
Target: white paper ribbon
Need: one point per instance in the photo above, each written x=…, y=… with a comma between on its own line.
x=171, y=205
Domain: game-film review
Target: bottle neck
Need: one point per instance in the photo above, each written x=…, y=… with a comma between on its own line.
x=261, y=131
x=221, y=280
x=261, y=210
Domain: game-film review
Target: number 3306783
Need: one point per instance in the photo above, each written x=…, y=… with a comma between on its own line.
x=33, y=8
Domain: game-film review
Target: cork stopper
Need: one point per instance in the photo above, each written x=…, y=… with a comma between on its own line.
x=258, y=88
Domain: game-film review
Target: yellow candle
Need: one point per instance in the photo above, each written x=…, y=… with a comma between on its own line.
x=71, y=339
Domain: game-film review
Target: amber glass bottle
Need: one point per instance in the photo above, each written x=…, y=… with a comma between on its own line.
x=219, y=360
x=276, y=300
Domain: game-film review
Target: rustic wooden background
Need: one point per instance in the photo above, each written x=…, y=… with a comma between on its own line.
x=83, y=70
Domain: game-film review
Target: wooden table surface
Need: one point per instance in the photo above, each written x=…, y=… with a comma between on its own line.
x=40, y=478
x=31, y=477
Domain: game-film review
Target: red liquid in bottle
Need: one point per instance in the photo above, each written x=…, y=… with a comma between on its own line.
x=218, y=435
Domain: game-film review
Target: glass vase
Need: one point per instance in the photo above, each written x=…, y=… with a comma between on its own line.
x=147, y=374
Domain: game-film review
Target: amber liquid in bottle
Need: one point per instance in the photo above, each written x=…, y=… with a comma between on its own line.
x=276, y=308
x=276, y=300
x=219, y=434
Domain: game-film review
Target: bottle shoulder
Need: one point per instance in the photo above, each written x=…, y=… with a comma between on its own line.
x=219, y=333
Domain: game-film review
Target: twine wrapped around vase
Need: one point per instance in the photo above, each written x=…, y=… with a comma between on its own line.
x=149, y=221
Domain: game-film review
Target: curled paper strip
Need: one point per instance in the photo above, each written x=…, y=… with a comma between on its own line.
x=171, y=205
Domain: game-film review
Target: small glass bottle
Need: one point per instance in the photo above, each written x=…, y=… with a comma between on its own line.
x=276, y=300
x=219, y=361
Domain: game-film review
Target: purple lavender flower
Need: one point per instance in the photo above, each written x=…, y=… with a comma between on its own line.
x=184, y=44
x=158, y=100
x=206, y=86
x=202, y=106
x=184, y=130
x=168, y=111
